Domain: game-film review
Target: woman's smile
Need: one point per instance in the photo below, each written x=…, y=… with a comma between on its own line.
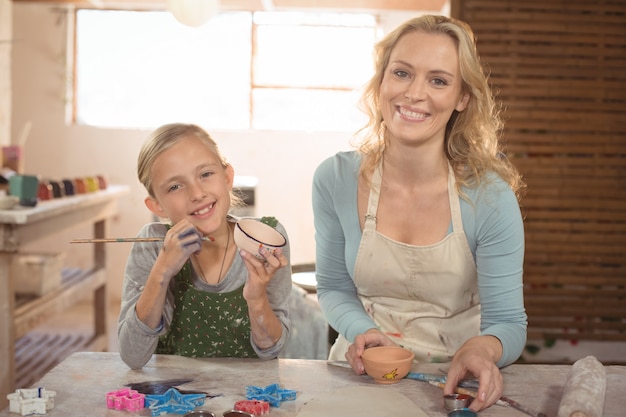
x=415, y=115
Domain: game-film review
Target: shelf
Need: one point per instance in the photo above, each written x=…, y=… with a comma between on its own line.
x=76, y=284
x=37, y=353
x=30, y=352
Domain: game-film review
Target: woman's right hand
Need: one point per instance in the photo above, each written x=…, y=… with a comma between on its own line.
x=371, y=338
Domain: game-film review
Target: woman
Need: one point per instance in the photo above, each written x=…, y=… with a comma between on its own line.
x=419, y=236
x=195, y=294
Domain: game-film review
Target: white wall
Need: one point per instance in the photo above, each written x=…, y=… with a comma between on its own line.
x=283, y=161
x=6, y=36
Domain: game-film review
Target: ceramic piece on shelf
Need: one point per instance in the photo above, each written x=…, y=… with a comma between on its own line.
x=92, y=184
x=68, y=186
x=102, y=182
x=80, y=185
x=387, y=364
x=45, y=191
x=8, y=202
x=26, y=188
x=251, y=235
x=58, y=190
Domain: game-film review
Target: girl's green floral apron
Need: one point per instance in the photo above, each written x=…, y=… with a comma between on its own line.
x=207, y=324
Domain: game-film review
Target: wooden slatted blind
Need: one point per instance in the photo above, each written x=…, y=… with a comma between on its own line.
x=559, y=68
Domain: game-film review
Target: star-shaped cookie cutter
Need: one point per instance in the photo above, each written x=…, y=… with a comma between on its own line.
x=172, y=401
x=272, y=394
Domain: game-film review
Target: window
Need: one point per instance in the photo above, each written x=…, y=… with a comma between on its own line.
x=241, y=70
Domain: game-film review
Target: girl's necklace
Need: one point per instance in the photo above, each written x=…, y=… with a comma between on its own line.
x=219, y=277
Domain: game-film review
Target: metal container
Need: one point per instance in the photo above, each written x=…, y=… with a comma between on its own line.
x=237, y=413
x=456, y=401
x=201, y=413
x=462, y=412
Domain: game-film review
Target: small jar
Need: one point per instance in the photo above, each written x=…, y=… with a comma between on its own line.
x=456, y=401
x=237, y=413
x=200, y=413
x=462, y=412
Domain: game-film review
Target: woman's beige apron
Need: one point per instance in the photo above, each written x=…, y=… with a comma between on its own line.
x=424, y=298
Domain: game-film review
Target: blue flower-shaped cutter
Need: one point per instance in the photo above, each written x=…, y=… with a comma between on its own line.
x=272, y=393
x=172, y=401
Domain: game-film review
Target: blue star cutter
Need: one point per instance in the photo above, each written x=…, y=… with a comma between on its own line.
x=272, y=393
x=172, y=401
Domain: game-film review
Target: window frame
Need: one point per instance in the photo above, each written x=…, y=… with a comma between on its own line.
x=73, y=104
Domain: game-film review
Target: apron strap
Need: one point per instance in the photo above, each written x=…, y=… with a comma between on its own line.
x=455, y=205
x=372, y=202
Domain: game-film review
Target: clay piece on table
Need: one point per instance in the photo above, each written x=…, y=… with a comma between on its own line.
x=31, y=401
x=584, y=391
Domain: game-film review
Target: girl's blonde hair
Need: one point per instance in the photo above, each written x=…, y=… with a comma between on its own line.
x=162, y=139
x=472, y=136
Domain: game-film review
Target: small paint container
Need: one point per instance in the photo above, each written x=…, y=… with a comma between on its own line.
x=237, y=413
x=462, y=412
x=200, y=413
x=456, y=401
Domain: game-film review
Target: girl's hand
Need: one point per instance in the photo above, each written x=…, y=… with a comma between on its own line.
x=181, y=241
x=260, y=272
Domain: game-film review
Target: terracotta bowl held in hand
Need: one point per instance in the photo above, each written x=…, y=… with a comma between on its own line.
x=251, y=235
x=387, y=364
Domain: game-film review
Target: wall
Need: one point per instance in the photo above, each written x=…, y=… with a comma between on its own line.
x=282, y=161
x=6, y=36
x=559, y=69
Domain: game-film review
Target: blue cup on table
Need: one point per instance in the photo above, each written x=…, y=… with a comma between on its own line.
x=26, y=188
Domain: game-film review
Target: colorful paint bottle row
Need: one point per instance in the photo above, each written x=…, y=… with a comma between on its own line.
x=49, y=189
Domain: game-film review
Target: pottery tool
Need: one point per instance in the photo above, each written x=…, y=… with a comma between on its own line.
x=584, y=391
x=503, y=401
x=129, y=239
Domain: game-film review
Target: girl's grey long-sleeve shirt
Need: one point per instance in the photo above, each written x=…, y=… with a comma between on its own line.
x=137, y=341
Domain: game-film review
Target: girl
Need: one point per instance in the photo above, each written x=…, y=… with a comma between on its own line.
x=195, y=294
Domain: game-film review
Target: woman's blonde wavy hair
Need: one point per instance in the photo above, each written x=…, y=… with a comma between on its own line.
x=471, y=141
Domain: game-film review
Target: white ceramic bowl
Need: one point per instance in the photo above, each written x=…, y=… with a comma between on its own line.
x=251, y=235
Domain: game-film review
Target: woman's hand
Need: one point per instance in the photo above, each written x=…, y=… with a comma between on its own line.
x=371, y=338
x=478, y=357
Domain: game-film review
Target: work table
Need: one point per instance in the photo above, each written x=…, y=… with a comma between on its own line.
x=83, y=379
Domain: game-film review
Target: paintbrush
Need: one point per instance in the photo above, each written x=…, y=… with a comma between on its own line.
x=461, y=390
x=418, y=376
x=504, y=401
x=129, y=239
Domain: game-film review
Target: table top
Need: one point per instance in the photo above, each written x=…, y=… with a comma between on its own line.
x=82, y=380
